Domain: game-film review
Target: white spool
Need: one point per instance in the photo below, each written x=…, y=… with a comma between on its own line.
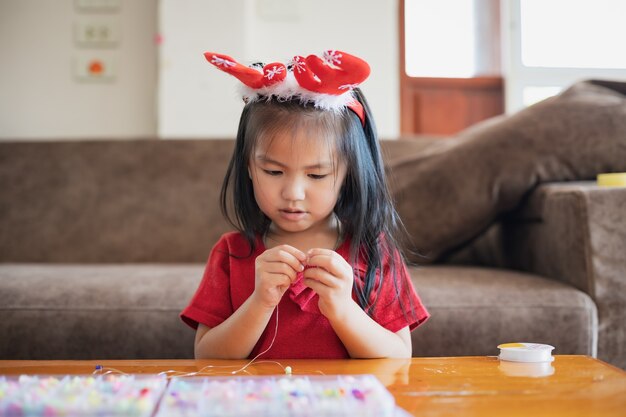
x=526, y=369
x=526, y=352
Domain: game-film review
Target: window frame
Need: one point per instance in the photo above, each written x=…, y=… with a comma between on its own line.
x=443, y=106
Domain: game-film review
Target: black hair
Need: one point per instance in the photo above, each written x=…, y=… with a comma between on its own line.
x=364, y=208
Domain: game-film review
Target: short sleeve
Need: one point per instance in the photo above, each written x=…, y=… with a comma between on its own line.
x=398, y=305
x=212, y=304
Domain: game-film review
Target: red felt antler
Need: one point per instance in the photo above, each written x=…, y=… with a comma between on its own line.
x=323, y=81
x=335, y=73
x=253, y=78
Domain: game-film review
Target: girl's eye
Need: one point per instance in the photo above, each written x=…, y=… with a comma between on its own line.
x=317, y=176
x=272, y=172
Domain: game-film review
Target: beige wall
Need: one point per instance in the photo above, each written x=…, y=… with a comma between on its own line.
x=40, y=98
x=170, y=90
x=197, y=101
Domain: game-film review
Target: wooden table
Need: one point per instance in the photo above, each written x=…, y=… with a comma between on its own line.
x=463, y=386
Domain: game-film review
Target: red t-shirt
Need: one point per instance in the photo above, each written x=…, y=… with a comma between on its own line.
x=303, y=332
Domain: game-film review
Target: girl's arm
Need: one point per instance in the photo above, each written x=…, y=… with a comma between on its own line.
x=363, y=337
x=235, y=337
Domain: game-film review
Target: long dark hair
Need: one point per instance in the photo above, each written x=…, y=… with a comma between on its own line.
x=364, y=208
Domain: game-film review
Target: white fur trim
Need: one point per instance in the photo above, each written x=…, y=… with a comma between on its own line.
x=289, y=89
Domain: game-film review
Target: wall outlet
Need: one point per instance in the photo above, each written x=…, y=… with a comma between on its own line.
x=94, y=69
x=104, y=33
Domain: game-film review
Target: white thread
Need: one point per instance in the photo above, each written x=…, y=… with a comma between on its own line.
x=265, y=351
x=101, y=370
x=176, y=374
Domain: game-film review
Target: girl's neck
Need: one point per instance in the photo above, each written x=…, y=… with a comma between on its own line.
x=328, y=236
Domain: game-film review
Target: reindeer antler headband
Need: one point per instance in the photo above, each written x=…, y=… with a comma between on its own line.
x=327, y=82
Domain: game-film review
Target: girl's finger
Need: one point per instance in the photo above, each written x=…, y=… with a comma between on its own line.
x=329, y=260
x=288, y=255
x=322, y=276
x=279, y=280
x=319, y=288
x=301, y=256
x=320, y=251
x=280, y=268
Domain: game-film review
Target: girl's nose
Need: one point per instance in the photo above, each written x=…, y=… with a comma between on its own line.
x=293, y=190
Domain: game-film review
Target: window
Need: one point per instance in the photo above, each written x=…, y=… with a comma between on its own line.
x=551, y=44
x=573, y=33
x=451, y=38
x=439, y=38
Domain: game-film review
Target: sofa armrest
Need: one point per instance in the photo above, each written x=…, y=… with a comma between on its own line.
x=576, y=233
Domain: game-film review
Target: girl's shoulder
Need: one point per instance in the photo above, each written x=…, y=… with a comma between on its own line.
x=235, y=243
x=233, y=237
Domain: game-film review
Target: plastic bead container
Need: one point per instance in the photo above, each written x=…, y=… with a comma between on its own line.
x=358, y=395
x=73, y=395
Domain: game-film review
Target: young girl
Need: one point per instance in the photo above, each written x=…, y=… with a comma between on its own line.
x=314, y=270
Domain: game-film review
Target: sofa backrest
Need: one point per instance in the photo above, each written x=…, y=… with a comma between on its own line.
x=115, y=200
x=111, y=201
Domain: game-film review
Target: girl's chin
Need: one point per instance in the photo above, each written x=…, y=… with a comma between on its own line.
x=290, y=227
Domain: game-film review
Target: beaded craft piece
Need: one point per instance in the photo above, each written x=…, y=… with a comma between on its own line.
x=293, y=396
x=117, y=395
x=102, y=395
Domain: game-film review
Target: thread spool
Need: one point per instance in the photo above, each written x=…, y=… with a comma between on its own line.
x=526, y=369
x=614, y=179
x=525, y=352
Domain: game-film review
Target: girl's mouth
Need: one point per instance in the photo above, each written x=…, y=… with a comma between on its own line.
x=292, y=214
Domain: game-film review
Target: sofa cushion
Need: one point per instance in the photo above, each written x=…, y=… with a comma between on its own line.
x=447, y=197
x=475, y=309
x=95, y=311
x=131, y=311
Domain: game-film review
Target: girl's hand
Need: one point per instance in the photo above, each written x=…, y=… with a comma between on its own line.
x=331, y=277
x=275, y=269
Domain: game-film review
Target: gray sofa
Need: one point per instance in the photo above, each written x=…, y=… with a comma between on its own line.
x=102, y=243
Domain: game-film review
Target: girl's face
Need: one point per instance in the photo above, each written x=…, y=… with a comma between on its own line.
x=296, y=181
